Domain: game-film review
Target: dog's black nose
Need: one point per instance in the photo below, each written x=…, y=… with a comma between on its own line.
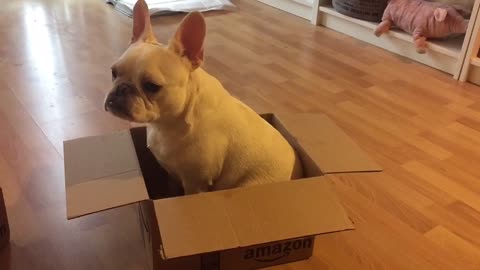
x=122, y=90
x=116, y=99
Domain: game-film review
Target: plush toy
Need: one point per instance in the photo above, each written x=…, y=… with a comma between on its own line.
x=423, y=20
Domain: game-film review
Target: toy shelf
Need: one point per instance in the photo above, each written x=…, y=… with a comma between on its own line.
x=456, y=56
x=445, y=55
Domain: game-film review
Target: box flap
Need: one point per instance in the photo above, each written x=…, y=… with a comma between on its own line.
x=326, y=144
x=246, y=216
x=101, y=172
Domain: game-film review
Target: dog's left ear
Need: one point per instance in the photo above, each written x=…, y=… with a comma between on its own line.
x=188, y=40
x=142, y=27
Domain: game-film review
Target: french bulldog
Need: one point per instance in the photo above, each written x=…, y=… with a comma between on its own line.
x=204, y=137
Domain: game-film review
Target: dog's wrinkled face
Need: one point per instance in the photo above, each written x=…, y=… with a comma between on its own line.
x=150, y=79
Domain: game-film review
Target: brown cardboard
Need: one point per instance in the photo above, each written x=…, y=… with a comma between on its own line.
x=202, y=230
x=328, y=145
x=245, y=217
x=251, y=257
x=101, y=172
x=4, y=229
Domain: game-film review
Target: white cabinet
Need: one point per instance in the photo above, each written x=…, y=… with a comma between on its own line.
x=447, y=55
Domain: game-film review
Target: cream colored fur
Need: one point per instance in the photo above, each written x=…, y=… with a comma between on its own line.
x=203, y=136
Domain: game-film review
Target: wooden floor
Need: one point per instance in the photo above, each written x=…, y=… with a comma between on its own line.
x=422, y=212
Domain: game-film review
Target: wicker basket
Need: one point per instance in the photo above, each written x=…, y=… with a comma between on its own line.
x=369, y=10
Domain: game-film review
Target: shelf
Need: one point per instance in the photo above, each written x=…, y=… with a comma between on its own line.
x=441, y=54
x=451, y=47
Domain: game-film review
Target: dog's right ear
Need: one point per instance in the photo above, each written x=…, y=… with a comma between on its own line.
x=189, y=38
x=142, y=27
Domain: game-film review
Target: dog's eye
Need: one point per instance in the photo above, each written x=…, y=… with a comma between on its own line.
x=114, y=74
x=151, y=87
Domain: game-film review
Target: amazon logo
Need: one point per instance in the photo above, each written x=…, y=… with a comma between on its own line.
x=273, y=252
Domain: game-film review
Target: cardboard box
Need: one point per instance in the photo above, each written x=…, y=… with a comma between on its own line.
x=243, y=228
x=4, y=229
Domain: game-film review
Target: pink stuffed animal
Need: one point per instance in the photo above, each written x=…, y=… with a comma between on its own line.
x=423, y=20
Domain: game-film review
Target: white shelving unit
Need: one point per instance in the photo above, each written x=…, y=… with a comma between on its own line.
x=446, y=55
x=456, y=56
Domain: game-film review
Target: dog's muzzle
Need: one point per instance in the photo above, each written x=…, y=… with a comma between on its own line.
x=116, y=100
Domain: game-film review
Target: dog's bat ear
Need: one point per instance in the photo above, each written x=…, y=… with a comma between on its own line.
x=188, y=40
x=142, y=28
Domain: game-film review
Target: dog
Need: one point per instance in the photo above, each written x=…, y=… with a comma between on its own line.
x=204, y=137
